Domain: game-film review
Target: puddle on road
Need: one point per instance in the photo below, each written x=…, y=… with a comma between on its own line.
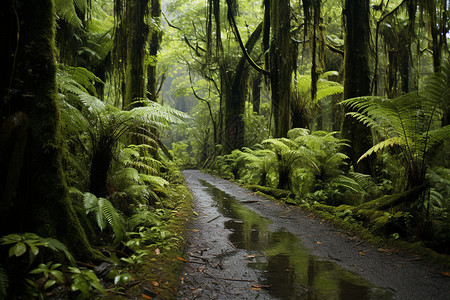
x=285, y=264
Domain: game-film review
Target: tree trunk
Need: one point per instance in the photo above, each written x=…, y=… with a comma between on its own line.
x=280, y=65
x=137, y=33
x=256, y=93
x=155, y=39
x=235, y=101
x=41, y=204
x=356, y=78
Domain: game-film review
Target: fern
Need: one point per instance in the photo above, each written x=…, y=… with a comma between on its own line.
x=65, y=10
x=411, y=122
x=104, y=213
x=56, y=245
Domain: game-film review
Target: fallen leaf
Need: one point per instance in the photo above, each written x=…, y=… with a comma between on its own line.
x=320, y=243
x=195, y=230
x=384, y=250
x=446, y=273
x=146, y=296
x=258, y=286
x=155, y=283
x=361, y=253
x=182, y=259
x=157, y=251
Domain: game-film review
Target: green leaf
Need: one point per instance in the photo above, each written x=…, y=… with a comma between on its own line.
x=18, y=249
x=34, y=249
x=49, y=283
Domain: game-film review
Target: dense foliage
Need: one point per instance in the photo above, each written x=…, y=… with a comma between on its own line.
x=340, y=106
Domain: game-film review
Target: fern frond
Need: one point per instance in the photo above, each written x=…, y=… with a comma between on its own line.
x=296, y=132
x=347, y=183
x=280, y=144
x=65, y=10
x=328, y=74
x=154, y=180
x=143, y=218
x=90, y=202
x=391, y=142
x=57, y=245
x=112, y=216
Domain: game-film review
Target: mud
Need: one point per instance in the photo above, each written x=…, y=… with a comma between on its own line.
x=243, y=246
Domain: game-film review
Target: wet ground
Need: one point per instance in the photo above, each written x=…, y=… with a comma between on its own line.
x=243, y=246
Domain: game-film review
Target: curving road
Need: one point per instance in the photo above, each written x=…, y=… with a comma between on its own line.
x=243, y=246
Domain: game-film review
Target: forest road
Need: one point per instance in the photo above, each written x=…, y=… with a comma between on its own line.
x=243, y=246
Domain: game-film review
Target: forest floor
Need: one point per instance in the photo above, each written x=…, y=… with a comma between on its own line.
x=244, y=246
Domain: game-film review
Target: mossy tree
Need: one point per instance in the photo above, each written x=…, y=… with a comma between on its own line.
x=155, y=37
x=235, y=100
x=356, y=78
x=280, y=64
x=38, y=199
x=137, y=34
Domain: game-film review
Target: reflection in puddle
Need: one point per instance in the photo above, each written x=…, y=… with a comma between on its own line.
x=285, y=264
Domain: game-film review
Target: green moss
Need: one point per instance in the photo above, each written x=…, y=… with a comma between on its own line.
x=276, y=193
x=375, y=231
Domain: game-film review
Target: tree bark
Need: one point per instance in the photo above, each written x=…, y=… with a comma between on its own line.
x=137, y=33
x=235, y=101
x=280, y=65
x=256, y=93
x=155, y=40
x=356, y=78
x=41, y=204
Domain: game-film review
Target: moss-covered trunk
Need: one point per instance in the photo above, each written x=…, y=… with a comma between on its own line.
x=256, y=92
x=281, y=65
x=154, y=41
x=356, y=78
x=235, y=101
x=137, y=33
x=41, y=203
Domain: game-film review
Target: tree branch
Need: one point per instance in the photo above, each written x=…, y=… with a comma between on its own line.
x=238, y=36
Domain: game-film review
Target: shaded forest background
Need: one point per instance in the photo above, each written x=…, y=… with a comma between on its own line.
x=337, y=105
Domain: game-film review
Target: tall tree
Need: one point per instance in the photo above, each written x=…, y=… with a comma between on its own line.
x=154, y=42
x=137, y=34
x=35, y=196
x=280, y=64
x=356, y=77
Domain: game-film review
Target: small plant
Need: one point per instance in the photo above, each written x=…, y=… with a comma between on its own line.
x=52, y=276
x=30, y=242
x=136, y=258
x=85, y=281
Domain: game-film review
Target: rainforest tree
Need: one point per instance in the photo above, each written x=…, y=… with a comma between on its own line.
x=33, y=186
x=356, y=77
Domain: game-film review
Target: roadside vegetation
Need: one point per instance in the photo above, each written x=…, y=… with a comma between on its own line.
x=103, y=102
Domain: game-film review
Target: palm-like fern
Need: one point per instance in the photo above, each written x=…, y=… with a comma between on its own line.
x=410, y=122
x=289, y=156
x=303, y=107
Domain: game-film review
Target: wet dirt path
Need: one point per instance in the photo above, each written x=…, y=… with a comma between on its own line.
x=243, y=246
